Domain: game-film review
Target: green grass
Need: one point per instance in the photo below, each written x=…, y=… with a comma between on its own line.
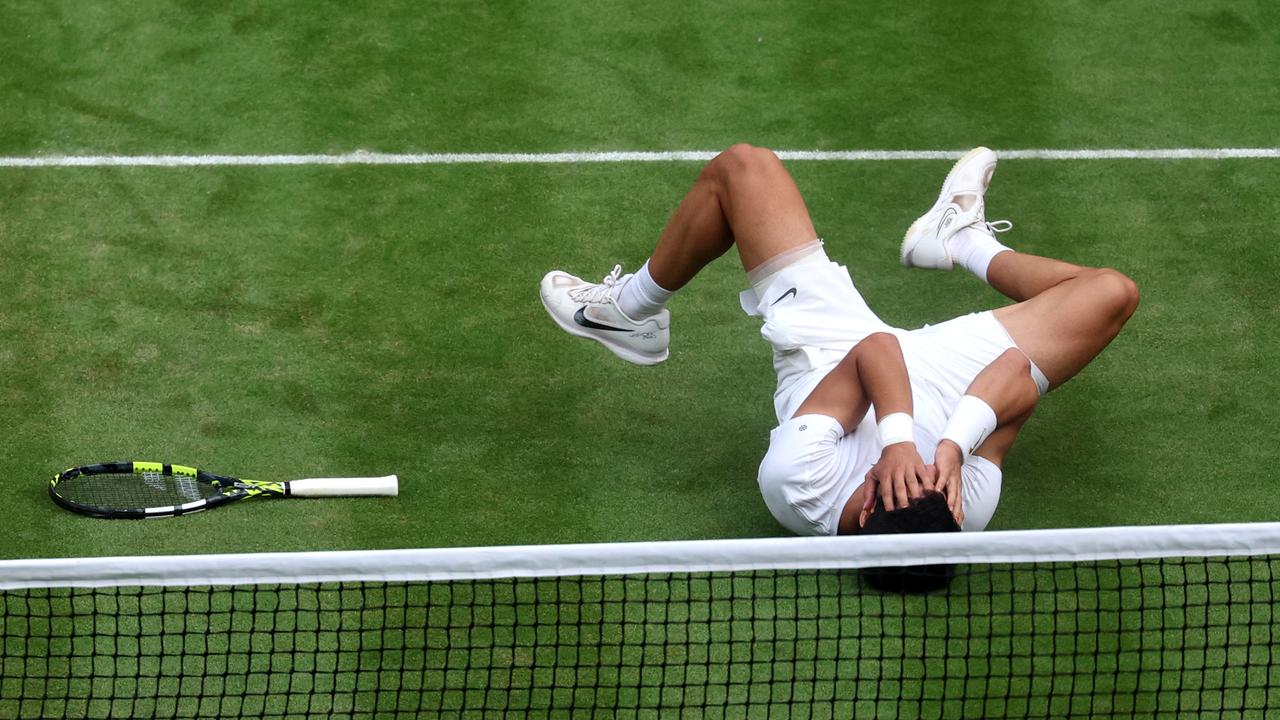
x=301, y=321
x=276, y=322
x=303, y=76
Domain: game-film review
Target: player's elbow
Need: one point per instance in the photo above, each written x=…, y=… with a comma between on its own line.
x=1013, y=362
x=1015, y=367
x=877, y=342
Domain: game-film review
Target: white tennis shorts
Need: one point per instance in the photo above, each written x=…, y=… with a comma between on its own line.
x=813, y=315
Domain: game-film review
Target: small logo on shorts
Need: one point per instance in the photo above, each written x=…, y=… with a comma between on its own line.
x=783, y=296
x=803, y=428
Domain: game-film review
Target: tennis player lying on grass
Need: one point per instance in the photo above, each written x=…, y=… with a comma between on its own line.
x=870, y=417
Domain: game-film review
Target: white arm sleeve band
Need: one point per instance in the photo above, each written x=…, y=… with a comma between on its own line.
x=895, y=428
x=970, y=424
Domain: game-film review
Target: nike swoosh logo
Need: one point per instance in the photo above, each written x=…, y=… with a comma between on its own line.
x=580, y=317
x=783, y=296
x=945, y=221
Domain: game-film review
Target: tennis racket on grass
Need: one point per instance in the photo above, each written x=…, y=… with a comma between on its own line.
x=151, y=489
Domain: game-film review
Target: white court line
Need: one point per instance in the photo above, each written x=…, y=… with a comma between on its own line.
x=361, y=157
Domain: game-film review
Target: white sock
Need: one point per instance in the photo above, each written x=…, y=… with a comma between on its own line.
x=973, y=249
x=641, y=297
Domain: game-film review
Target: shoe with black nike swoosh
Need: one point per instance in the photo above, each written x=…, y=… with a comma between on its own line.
x=959, y=205
x=590, y=310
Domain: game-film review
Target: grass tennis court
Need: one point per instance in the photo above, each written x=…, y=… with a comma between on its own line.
x=302, y=321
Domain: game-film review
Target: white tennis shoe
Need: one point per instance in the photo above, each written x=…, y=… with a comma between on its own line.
x=590, y=310
x=960, y=205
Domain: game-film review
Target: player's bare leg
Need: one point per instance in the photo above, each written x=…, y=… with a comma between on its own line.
x=1066, y=315
x=743, y=197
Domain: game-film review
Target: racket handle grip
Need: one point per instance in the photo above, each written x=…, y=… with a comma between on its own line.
x=331, y=487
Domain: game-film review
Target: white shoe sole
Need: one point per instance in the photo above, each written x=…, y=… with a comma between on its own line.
x=903, y=249
x=618, y=349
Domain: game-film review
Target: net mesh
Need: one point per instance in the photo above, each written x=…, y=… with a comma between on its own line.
x=1162, y=638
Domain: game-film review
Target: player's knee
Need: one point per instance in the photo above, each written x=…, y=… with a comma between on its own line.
x=1118, y=290
x=741, y=160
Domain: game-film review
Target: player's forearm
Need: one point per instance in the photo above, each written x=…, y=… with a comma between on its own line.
x=883, y=374
x=900, y=474
x=872, y=372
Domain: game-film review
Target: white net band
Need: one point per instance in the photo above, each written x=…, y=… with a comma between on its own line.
x=815, y=553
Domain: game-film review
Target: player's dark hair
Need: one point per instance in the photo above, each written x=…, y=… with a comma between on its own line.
x=927, y=513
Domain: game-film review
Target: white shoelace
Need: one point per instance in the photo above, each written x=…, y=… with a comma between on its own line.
x=595, y=294
x=978, y=210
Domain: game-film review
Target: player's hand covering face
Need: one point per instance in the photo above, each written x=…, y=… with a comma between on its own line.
x=950, y=482
x=899, y=475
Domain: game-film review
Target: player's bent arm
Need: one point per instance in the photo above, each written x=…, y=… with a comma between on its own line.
x=872, y=373
x=1003, y=392
x=986, y=420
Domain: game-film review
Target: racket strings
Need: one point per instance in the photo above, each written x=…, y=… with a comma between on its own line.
x=127, y=490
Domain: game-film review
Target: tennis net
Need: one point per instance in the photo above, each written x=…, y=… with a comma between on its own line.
x=1164, y=622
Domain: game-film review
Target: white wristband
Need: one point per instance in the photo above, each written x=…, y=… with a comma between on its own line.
x=895, y=428
x=970, y=424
